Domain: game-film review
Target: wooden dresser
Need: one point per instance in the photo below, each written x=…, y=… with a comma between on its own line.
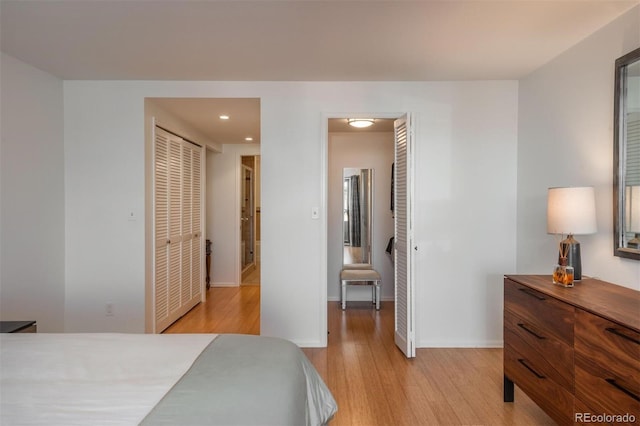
x=574, y=351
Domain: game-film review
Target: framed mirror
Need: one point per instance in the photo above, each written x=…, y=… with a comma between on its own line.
x=357, y=186
x=626, y=156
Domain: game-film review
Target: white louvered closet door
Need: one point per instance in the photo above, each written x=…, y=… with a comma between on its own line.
x=177, y=227
x=161, y=228
x=196, y=224
x=404, y=312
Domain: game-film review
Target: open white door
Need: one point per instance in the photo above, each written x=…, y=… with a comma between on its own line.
x=403, y=238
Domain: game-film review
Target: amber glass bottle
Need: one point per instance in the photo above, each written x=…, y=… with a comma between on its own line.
x=563, y=274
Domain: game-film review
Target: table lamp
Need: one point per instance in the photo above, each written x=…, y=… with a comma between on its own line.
x=571, y=211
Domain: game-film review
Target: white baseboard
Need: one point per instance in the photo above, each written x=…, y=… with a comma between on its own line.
x=224, y=285
x=425, y=344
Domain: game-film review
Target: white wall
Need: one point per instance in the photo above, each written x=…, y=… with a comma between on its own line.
x=465, y=199
x=223, y=211
x=32, y=188
x=566, y=139
x=465, y=195
x=367, y=150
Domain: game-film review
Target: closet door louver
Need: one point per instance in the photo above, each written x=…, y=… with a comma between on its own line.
x=186, y=217
x=196, y=223
x=161, y=223
x=178, y=233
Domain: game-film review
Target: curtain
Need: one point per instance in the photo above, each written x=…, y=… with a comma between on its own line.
x=354, y=211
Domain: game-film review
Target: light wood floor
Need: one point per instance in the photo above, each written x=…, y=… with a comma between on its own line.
x=227, y=310
x=372, y=381
x=252, y=277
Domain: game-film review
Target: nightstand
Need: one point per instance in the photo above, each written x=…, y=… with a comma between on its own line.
x=18, y=327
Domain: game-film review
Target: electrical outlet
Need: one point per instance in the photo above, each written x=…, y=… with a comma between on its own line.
x=109, y=310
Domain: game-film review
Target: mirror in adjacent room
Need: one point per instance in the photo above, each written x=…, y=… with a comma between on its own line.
x=626, y=178
x=357, y=214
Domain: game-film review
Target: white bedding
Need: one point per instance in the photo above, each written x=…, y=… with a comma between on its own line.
x=90, y=379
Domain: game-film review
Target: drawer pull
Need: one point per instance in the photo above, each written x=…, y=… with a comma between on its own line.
x=523, y=362
x=621, y=334
x=532, y=294
x=618, y=386
x=528, y=330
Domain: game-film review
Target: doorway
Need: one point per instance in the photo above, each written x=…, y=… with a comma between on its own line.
x=249, y=220
x=228, y=128
x=372, y=149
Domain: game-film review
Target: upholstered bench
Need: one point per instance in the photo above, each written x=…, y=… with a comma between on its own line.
x=361, y=277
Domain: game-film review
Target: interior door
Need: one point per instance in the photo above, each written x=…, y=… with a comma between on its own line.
x=177, y=227
x=246, y=218
x=403, y=238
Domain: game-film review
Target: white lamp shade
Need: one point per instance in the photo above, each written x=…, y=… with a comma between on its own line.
x=632, y=209
x=571, y=211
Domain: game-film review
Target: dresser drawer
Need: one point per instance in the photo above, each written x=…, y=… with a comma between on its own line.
x=547, y=314
x=553, y=398
x=599, y=397
x=551, y=357
x=607, y=365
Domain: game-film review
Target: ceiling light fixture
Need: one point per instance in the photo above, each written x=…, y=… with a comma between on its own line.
x=224, y=117
x=360, y=122
x=248, y=139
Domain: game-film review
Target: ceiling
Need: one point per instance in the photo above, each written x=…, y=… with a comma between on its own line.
x=204, y=114
x=301, y=40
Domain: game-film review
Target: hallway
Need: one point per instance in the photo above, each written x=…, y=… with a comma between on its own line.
x=227, y=310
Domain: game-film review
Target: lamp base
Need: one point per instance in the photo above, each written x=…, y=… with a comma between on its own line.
x=634, y=243
x=573, y=256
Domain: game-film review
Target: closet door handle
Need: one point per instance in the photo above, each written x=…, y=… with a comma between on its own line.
x=621, y=334
x=532, y=294
x=621, y=388
x=524, y=363
x=528, y=330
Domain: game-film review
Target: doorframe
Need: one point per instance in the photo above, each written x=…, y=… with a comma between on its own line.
x=243, y=167
x=237, y=223
x=324, y=196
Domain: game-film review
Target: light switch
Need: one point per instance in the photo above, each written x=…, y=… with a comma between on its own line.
x=315, y=212
x=132, y=216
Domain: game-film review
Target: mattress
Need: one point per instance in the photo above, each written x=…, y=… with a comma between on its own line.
x=131, y=379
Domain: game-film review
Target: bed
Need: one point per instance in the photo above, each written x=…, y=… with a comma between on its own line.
x=169, y=379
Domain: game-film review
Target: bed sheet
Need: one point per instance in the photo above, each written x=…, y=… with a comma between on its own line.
x=90, y=379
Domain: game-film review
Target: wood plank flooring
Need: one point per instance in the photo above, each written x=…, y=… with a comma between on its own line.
x=375, y=384
x=372, y=381
x=227, y=310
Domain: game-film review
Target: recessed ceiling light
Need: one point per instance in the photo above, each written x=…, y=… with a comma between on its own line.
x=360, y=122
x=224, y=117
x=248, y=139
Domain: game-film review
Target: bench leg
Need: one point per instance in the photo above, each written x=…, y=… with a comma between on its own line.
x=343, y=297
x=378, y=288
